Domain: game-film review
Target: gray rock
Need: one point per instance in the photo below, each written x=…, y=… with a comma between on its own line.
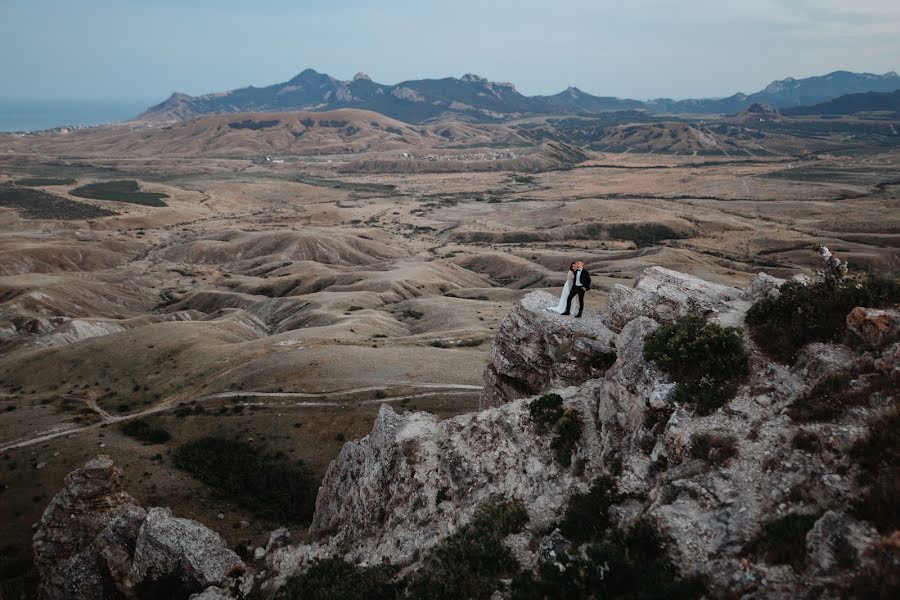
x=761, y=286
x=536, y=349
x=664, y=295
x=837, y=540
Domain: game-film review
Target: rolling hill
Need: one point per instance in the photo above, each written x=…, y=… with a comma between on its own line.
x=850, y=104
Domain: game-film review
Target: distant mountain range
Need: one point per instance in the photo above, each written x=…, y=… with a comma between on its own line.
x=886, y=102
x=475, y=98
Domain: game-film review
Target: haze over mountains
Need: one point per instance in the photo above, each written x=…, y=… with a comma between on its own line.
x=475, y=98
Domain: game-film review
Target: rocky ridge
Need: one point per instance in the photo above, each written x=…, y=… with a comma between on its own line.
x=397, y=492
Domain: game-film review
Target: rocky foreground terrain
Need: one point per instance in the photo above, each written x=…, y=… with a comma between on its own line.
x=587, y=472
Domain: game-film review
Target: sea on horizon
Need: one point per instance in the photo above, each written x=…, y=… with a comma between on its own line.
x=36, y=115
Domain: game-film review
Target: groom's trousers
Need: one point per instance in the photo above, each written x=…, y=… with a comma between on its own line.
x=576, y=290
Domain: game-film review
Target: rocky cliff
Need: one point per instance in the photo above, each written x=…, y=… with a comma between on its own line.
x=722, y=489
x=95, y=542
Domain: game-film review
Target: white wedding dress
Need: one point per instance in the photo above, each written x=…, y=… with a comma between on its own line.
x=561, y=307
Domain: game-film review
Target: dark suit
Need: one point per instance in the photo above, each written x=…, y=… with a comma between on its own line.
x=579, y=290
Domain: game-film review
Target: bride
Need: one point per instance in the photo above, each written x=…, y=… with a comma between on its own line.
x=570, y=278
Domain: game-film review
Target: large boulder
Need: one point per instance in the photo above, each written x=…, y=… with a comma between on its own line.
x=875, y=327
x=536, y=349
x=664, y=295
x=94, y=542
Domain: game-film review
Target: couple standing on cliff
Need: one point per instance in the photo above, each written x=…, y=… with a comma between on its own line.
x=578, y=281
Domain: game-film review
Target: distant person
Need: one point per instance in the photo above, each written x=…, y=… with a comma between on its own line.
x=570, y=278
x=581, y=284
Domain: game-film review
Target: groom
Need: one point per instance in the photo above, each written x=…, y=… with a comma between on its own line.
x=581, y=284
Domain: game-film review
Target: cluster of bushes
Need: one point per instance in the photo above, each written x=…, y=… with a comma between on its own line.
x=146, y=432
x=783, y=540
x=606, y=562
x=468, y=564
x=707, y=361
x=837, y=392
x=120, y=191
x=564, y=424
x=878, y=456
x=266, y=484
x=800, y=314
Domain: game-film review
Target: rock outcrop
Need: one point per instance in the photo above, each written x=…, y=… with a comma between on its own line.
x=536, y=349
x=415, y=480
x=96, y=542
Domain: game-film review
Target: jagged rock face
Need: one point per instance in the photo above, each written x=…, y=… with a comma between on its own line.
x=664, y=295
x=536, y=349
x=95, y=542
x=414, y=480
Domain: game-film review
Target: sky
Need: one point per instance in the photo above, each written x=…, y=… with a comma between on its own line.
x=147, y=49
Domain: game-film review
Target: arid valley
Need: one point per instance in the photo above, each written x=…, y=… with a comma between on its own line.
x=274, y=278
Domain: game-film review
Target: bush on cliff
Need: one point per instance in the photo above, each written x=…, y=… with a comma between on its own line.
x=471, y=562
x=878, y=455
x=630, y=563
x=784, y=322
x=587, y=515
x=334, y=578
x=269, y=486
x=549, y=416
x=707, y=361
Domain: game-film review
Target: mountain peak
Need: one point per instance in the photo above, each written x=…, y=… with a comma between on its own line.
x=361, y=76
x=472, y=78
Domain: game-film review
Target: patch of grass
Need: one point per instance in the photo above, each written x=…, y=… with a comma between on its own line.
x=254, y=125
x=707, y=361
x=549, y=416
x=587, y=515
x=602, y=361
x=632, y=563
x=800, y=314
x=471, y=562
x=42, y=181
x=120, y=191
x=334, y=579
x=146, y=432
x=643, y=235
x=269, y=486
x=783, y=540
x=878, y=456
x=713, y=447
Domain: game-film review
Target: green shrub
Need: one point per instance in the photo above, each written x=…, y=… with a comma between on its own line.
x=715, y=448
x=807, y=441
x=799, y=314
x=631, y=564
x=878, y=455
x=587, y=515
x=602, y=361
x=549, y=416
x=707, y=361
x=269, y=486
x=471, y=562
x=546, y=410
x=336, y=579
x=783, y=540
x=146, y=432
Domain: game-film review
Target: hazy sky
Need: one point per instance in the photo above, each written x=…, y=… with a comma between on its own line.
x=634, y=48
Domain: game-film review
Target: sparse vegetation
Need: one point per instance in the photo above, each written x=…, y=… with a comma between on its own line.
x=713, y=447
x=800, y=314
x=120, y=191
x=707, y=361
x=336, y=579
x=587, y=515
x=254, y=125
x=549, y=416
x=837, y=392
x=631, y=563
x=146, y=432
x=471, y=562
x=44, y=181
x=783, y=540
x=878, y=456
x=37, y=204
x=269, y=486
